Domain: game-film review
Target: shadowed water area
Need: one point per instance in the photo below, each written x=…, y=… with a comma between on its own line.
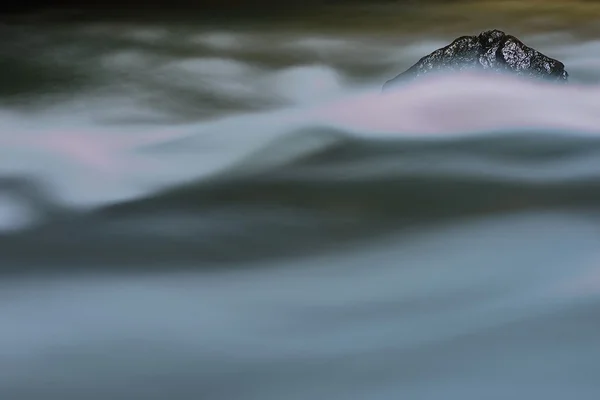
x=230, y=208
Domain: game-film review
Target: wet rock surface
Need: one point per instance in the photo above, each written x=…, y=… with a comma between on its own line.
x=491, y=50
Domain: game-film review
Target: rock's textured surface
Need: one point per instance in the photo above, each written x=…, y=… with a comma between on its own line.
x=491, y=50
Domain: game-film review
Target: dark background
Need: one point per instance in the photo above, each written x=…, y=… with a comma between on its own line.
x=201, y=7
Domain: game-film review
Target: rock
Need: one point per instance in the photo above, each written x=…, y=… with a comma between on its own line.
x=491, y=50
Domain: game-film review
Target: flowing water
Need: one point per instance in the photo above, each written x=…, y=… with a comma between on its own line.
x=212, y=212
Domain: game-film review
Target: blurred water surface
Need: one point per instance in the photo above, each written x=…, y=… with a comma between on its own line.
x=232, y=210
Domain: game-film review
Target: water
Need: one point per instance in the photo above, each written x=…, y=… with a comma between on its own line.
x=238, y=213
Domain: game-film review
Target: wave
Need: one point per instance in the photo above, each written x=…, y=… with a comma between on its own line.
x=345, y=190
x=322, y=184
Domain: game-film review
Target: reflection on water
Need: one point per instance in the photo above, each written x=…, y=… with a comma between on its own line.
x=201, y=210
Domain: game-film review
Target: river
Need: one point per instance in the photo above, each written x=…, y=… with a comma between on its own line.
x=234, y=211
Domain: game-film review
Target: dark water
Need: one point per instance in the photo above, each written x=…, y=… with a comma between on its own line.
x=221, y=213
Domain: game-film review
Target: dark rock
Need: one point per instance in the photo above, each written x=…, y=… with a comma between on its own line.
x=491, y=50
